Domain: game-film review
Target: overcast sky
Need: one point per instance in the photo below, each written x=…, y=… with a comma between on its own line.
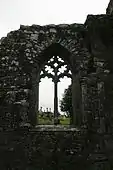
x=42, y=12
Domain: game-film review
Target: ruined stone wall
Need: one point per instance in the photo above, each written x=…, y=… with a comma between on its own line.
x=48, y=150
x=21, y=60
x=99, y=40
x=109, y=9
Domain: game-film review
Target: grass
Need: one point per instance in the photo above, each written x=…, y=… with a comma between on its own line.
x=46, y=121
x=65, y=121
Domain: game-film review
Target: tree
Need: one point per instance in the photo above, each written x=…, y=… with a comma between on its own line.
x=66, y=102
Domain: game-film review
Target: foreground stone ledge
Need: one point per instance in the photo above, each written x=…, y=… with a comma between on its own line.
x=55, y=128
x=47, y=128
x=51, y=147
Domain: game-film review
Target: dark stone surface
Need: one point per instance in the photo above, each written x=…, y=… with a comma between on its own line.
x=55, y=149
x=88, y=50
x=109, y=9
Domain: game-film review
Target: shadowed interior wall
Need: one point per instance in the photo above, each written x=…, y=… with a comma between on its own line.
x=90, y=46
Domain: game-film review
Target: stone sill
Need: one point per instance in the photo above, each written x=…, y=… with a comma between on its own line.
x=55, y=128
x=45, y=128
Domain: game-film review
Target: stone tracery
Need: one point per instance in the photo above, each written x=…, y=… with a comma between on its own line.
x=52, y=69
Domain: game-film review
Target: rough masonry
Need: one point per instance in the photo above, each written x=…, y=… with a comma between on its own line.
x=87, y=49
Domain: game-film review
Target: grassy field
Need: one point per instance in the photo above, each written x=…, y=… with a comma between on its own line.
x=46, y=121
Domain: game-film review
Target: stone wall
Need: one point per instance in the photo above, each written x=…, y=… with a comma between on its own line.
x=109, y=9
x=55, y=149
x=99, y=40
x=22, y=55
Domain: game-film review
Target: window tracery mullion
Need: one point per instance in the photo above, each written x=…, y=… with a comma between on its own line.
x=64, y=74
x=61, y=64
x=49, y=75
x=56, y=72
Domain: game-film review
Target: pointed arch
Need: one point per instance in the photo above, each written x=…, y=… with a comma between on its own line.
x=23, y=54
